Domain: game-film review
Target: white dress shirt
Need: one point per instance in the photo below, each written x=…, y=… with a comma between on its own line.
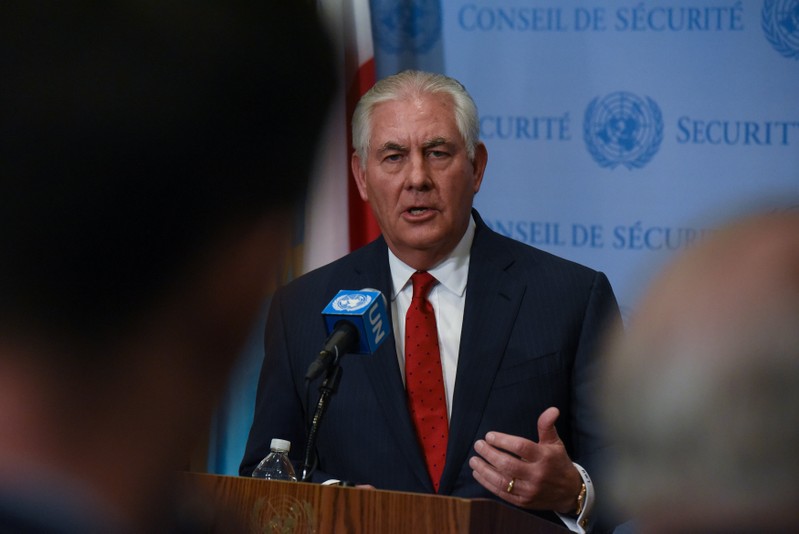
x=448, y=298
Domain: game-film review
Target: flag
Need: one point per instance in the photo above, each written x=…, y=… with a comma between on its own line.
x=337, y=220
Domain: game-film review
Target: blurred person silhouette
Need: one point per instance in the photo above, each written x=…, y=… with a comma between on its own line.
x=702, y=392
x=151, y=155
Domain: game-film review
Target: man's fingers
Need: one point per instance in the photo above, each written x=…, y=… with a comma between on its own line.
x=492, y=454
x=547, y=434
x=517, y=446
x=495, y=481
x=524, y=448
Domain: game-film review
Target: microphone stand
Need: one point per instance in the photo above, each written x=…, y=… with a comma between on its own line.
x=326, y=389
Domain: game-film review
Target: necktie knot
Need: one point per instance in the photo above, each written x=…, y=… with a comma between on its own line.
x=423, y=282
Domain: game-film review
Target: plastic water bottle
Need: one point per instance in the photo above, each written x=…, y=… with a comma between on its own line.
x=276, y=465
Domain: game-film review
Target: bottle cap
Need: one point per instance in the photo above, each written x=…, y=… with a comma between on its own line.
x=280, y=445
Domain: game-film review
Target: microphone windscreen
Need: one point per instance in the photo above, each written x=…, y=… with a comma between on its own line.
x=365, y=309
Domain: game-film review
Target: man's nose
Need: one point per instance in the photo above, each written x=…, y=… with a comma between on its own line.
x=418, y=176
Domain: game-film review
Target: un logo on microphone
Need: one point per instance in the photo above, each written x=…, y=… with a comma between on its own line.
x=623, y=129
x=351, y=302
x=406, y=26
x=780, y=22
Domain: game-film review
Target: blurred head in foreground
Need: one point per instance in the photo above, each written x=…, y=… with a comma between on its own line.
x=151, y=155
x=703, y=390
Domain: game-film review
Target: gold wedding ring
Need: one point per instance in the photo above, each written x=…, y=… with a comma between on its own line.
x=510, y=485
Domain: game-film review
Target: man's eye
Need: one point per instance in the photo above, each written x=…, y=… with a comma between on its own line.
x=393, y=157
x=437, y=154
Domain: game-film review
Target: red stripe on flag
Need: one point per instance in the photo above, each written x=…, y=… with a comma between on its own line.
x=363, y=225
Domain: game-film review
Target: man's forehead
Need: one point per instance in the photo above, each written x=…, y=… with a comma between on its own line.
x=436, y=108
x=413, y=122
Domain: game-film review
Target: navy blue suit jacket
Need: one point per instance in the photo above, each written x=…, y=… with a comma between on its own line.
x=530, y=331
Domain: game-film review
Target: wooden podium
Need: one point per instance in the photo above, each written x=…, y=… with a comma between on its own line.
x=294, y=507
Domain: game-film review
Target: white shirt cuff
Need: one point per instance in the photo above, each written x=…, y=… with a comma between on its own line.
x=580, y=523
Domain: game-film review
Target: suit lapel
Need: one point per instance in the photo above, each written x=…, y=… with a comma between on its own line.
x=492, y=304
x=372, y=271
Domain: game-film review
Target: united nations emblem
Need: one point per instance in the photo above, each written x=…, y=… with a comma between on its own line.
x=351, y=302
x=623, y=129
x=282, y=515
x=406, y=26
x=780, y=21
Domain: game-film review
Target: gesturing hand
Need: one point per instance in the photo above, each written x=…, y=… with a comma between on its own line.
x=532, y=475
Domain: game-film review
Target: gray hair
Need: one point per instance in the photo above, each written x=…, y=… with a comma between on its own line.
x=411, y=83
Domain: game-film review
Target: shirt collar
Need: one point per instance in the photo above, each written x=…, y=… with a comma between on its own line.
x=451, y=272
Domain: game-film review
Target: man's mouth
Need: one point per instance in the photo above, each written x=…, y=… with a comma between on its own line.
x=417, y=211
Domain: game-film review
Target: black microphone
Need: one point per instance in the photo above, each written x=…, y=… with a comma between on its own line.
x=341, y=341
x=356, y=321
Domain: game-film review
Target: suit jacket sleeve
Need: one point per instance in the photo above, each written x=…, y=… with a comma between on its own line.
x=590, y=442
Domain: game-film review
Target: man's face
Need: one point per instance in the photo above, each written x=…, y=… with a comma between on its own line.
x=418, y=178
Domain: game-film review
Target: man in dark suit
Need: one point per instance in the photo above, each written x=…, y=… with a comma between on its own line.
x=517, y=327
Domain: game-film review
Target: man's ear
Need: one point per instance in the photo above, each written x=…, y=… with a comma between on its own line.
x=360, y=176
x=479, y=164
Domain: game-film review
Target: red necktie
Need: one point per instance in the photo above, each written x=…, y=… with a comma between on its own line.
x=424, y=381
